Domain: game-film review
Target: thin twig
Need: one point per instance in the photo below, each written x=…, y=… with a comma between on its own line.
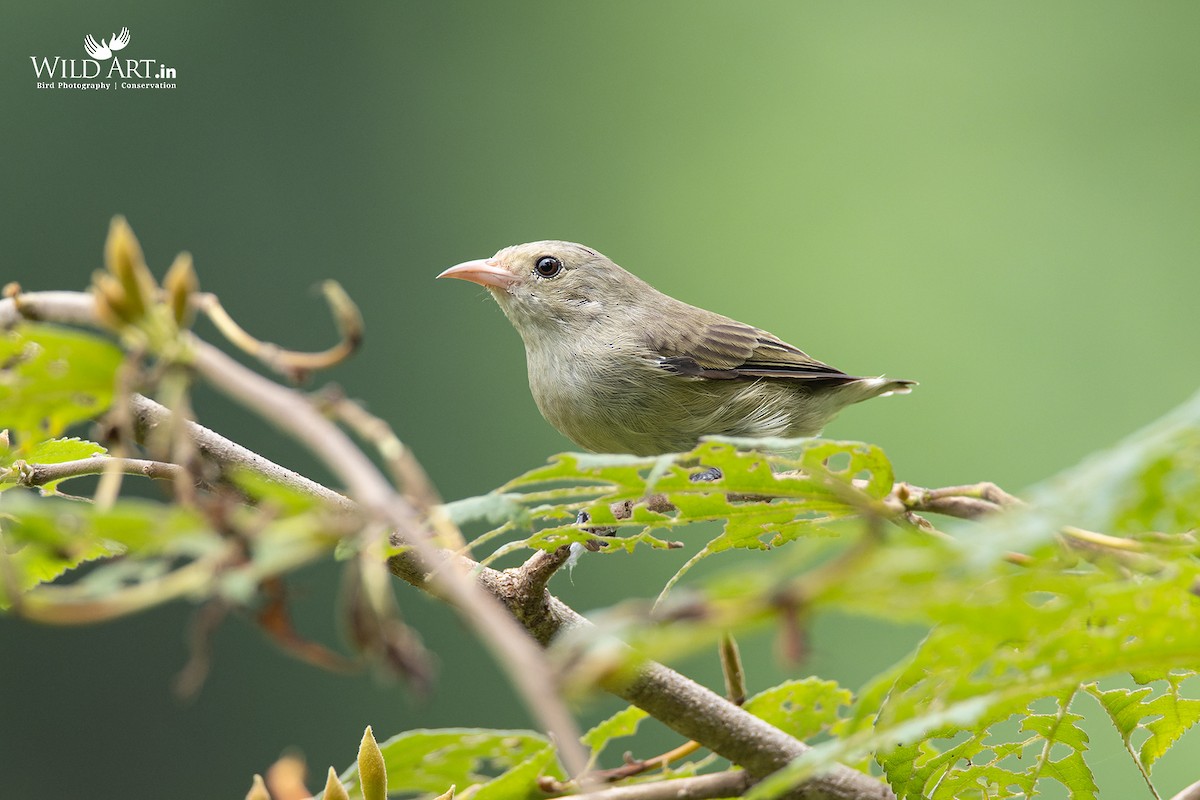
x=629, y=769
x=405, y=470
x=970, y=501
x=291, y=363
x=34, y=475
x=731, y=668
x=701, y=787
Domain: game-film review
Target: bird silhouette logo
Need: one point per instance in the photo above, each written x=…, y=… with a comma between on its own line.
x=105, y=49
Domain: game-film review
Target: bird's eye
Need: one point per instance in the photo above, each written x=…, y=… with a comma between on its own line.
x=548, y=266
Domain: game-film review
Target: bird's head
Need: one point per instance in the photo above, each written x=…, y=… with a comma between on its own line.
x=553, y=285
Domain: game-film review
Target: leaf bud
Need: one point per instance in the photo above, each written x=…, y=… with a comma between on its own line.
x=372, y=772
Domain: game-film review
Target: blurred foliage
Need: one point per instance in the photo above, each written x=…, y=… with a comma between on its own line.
x=500, y=764
x=1026, y=611
x=53, y=378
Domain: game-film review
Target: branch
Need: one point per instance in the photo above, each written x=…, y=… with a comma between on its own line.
x=33, y=475
x=229, y=456
x=1189, y=792
x=721, y=784
x=690, y=709
x=678, y=702
x=971, y=501
x=965, y=502
x=291, y=363
x=292, y=413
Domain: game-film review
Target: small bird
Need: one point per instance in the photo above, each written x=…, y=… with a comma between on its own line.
x=619, y=367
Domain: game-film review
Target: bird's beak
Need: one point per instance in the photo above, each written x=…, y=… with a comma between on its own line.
x=485, y=273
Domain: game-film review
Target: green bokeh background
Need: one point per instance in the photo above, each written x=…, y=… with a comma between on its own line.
x=1000, y=200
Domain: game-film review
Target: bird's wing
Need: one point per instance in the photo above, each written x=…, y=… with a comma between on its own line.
x=723, y=349
x=118, y=41
x=89, y=44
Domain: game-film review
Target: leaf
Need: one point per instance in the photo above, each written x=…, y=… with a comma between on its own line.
x=57, y=451
x=31, y=565
x=763, y=499
x=495, y=509
x=621, y=724
x=168, y=552
x=428, y=760
x=1177, y=714
x=52, y=377
x=521, y=782
x=264, y=491
x=802, y=708
x=1164, y=717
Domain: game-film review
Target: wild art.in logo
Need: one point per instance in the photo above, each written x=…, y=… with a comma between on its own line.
x=60, y=72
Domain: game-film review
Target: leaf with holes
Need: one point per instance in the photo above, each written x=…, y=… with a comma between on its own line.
x=52, y=377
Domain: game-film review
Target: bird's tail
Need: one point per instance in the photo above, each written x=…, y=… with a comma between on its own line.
x=881, y=387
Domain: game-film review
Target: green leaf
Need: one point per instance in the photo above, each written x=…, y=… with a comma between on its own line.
x=429, y=761
x=802, y=708
x=52, y=377
x=31, y=565
x=168, y=552
x=264, y=491
x=56, y=451
x=521, y=782
x=495, y=509
x=1176, y=715
x=1164, y=717
x=621, y=724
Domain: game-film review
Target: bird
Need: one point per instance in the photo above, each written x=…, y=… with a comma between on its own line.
x=617, y=366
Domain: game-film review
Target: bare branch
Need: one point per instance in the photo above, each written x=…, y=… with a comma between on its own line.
x=541, y=566
x=965, y=502
x=33, y=475
x=721, y=784
x=216, y=449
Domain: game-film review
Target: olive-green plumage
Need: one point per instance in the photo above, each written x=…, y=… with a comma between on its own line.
x=619, y=367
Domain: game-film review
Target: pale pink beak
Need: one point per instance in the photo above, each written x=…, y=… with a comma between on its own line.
x=483, y=272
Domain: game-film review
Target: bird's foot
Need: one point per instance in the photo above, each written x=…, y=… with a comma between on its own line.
x=582, y=519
